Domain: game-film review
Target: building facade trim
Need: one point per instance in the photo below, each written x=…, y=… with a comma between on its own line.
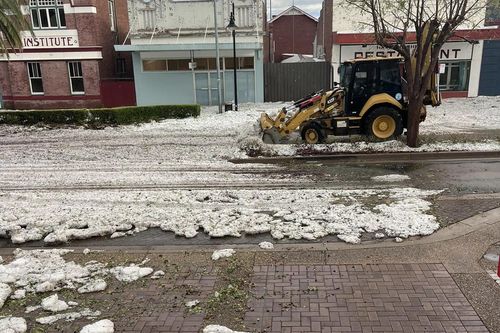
x=41, y=56
x=293, y=10
x=68, y=9
x=51, y=98
x=490, y=33
x=184, y=47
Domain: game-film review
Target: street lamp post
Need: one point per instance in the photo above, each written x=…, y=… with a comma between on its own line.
x=217, y=56
x=232, y=27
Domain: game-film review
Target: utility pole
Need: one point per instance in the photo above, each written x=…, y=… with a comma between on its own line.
x=217, y=56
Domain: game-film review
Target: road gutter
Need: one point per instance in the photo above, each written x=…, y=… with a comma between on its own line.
x=375, y=157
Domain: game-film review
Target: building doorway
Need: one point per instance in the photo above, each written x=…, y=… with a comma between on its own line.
x=206, y=88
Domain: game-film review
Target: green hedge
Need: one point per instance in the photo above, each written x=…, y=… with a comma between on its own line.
x=95, y=118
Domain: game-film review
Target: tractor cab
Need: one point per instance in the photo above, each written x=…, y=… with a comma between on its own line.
x=365, y=79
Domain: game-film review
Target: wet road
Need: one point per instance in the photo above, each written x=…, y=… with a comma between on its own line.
x=460, y=176
x=471, y=187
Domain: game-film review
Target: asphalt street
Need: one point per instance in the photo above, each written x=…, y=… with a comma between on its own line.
x=471, y=186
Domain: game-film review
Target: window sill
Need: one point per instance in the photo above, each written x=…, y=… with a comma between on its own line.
x=48, y=29
x=77, y=93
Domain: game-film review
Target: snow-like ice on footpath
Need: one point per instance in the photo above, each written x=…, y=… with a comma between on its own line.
x=18, y=294
x=391, y=178
x=46, y=268
x=35, y=268
x=192, y=304
x=224, y=253
x=5, y=292
x=462, y=115
x=130, y=273
x=93, y=286
x=294, y=214
x=13, y=325
x=158, y=274
x=54, y=304
x=30, y=309
x=219, y=329
x=69, y=316
x=266, y=245
x=102, y=326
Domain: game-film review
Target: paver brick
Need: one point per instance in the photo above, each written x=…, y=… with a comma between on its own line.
x=366, y=298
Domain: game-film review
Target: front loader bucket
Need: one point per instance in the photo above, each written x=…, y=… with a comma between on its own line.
x=266, y=122
x=271, y=136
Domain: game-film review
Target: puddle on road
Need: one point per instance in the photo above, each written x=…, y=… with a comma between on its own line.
x=458, y=177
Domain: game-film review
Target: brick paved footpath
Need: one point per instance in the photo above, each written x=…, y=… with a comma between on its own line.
x=359, y=298
x=306, y=298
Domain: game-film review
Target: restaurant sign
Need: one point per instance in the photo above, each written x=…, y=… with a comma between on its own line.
x=449, y=51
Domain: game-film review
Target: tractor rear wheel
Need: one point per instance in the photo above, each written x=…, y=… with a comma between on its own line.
x=312, y=134
x=383, y=124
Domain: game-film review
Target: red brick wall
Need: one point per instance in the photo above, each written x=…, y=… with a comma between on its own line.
x=108, y=38
x=17, y=74
x=56, y=86
x=123, y=27
x=292, y=34
x=5, y=89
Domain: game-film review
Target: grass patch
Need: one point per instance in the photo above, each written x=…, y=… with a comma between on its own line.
x=98, y=118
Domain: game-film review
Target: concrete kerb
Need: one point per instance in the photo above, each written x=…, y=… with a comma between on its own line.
x=454, y=231
x=374, y=157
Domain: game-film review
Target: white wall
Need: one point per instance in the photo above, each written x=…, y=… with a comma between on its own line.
x=475, y=69
x=349, y=19
x=173, y=17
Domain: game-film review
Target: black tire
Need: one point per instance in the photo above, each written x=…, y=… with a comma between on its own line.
x=383, y=123
x=312, y=134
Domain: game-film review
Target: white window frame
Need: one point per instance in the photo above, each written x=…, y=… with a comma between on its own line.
x=444, y=85
x=112, y=20
x=78, y=74
x=42, y=7
x=36, y=69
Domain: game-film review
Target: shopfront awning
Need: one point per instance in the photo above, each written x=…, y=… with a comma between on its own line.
x=185, y=47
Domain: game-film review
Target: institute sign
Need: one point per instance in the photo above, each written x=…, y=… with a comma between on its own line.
x=50, y=39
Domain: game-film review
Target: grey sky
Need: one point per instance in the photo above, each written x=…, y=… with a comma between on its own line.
x=313, y=7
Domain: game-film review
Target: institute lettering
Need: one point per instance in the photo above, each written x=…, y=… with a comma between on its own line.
x=57, y=41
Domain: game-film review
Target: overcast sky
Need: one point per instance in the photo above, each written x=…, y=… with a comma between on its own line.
x=313, y=7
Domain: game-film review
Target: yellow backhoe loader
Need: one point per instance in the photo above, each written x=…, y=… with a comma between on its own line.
x=370, y=100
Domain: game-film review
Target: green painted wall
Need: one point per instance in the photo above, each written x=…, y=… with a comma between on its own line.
x=153, y=88
x=161, y=87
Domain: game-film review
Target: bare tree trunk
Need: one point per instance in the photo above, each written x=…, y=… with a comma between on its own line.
x=415, y=104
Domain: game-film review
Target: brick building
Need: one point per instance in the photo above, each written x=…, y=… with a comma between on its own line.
x=69, y=61
x=291, y=32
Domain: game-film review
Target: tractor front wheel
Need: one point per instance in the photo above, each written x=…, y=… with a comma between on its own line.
x=312, y=134
x=384, y=124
